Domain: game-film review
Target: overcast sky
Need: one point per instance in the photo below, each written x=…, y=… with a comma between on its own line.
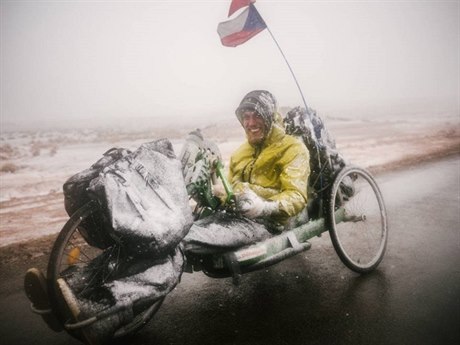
x=163, y=59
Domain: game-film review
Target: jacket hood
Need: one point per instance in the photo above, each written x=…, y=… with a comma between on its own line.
x=262, y=102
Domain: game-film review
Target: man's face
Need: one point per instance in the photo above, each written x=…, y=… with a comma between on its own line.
x=254, y=126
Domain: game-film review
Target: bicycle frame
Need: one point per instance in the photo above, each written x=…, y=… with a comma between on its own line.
x=259, y=255
x=218, y=264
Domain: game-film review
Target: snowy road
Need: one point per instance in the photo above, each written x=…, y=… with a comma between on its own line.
x=413, y=298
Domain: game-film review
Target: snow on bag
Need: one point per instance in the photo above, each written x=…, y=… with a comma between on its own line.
x=95, y=229
x=325, y=159
x=222, y=232
x=145, y=200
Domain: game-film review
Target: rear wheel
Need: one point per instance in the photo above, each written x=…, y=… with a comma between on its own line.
x=70, y=254
x=360, y=239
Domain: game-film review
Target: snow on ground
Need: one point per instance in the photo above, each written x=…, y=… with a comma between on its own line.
x=35, y=164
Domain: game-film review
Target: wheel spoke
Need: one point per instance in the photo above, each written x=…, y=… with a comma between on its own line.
x=88, y=268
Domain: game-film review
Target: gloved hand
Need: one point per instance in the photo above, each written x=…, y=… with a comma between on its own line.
x=253, y=206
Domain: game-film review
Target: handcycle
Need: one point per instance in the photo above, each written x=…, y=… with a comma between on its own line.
x=356, y=222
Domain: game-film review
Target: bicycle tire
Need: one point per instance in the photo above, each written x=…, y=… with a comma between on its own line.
x=62, y=259
x=361, y=239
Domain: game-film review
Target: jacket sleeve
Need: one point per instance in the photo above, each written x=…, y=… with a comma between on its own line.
x=295, y=170
x=291, y=190
x=238, y=163
x=234, y=176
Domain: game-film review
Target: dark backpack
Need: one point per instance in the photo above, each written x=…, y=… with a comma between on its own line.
x=325, y=160
x=94, y=229
x=142, y=199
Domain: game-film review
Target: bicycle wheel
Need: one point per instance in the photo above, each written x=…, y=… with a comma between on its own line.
x=72, y=257
x=360, y=239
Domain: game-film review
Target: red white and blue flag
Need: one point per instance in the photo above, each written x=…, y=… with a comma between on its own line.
x=243, y=27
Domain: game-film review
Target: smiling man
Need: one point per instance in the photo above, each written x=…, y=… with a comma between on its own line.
x=269, y=172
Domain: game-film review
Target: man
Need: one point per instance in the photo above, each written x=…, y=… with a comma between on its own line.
x=269, y=172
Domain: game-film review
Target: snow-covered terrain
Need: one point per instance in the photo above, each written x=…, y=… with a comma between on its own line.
x=35, y=164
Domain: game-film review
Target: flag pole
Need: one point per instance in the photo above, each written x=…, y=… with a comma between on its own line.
x=289, y=66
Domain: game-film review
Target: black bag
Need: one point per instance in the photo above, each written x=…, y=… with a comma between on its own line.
x=144, y=199
x=94, y=229
x=325, y=160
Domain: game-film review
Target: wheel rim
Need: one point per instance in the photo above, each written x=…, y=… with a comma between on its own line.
x=75, y=255
x=86, y=266
x=360, y=240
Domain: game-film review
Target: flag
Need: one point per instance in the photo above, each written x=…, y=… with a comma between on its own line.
x=240, y=29
x=237, y=4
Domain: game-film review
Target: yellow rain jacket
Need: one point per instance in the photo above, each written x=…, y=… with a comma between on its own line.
x=276, y=171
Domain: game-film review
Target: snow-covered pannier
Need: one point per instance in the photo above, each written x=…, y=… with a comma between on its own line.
x=95, y=229
x=142, y=195
x=325, y=159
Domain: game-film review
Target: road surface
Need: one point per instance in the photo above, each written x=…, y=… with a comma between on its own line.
x=413, y=297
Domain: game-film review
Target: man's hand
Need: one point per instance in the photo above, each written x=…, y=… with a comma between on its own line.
x=253, y=206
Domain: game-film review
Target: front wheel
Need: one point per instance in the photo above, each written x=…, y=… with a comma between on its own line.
x=72, y=254
x=360, y=238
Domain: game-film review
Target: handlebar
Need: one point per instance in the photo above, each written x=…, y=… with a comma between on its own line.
x=219, y=168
